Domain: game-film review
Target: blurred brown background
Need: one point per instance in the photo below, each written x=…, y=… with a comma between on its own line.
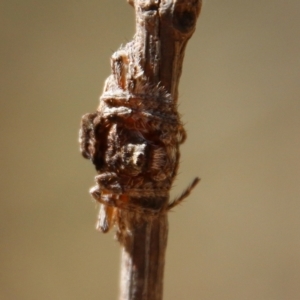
x=238, y=235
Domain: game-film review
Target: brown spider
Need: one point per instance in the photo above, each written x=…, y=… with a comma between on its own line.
x=133, y=140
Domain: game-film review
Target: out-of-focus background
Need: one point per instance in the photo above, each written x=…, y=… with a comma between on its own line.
x=237, y=237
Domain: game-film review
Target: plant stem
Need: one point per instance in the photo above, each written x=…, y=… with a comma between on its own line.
x=143, y=258
x=162, y=31
x=133, y=140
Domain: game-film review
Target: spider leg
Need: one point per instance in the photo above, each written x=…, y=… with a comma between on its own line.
x=105, y=218
x=184, y=195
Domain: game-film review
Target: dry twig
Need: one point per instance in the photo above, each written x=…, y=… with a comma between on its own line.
x=133, y=140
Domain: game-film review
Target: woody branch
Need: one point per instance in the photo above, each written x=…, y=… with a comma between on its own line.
x=133, y=140
x=162, y=31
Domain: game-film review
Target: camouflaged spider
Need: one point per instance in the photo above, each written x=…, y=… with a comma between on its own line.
x=133, y=140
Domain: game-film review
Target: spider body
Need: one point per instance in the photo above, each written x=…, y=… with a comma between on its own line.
x=133, y=140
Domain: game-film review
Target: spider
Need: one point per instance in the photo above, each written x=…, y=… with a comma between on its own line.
x=133, y=140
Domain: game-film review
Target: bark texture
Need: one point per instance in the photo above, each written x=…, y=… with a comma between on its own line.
x=162, y=31
x=133, y=140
